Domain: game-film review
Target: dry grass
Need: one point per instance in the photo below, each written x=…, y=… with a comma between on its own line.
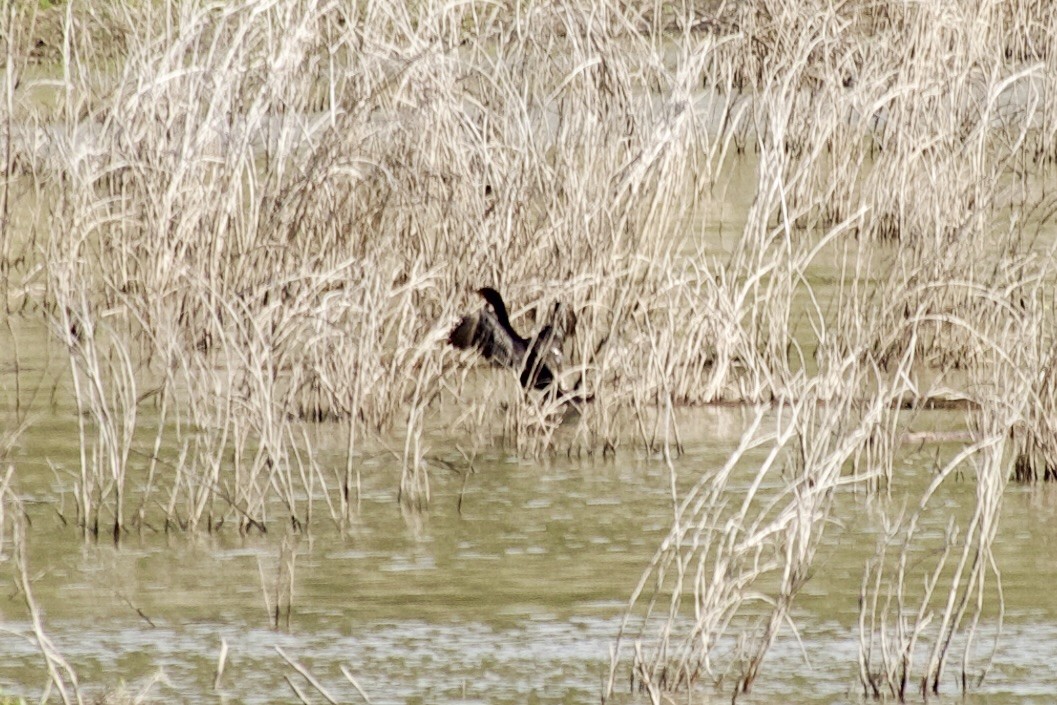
x=259, y=218
x=719, y=590
x=14, y=551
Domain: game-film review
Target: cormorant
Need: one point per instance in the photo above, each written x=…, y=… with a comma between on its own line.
x=536, y=359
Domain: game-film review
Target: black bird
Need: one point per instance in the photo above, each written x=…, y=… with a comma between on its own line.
x=536, y=359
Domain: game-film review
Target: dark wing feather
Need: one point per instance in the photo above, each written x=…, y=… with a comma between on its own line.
x=543, y=359
x=482, y=331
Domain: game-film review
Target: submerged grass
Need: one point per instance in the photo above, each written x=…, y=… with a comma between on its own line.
x=256, y=218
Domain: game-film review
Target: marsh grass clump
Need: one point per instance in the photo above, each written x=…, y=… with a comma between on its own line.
x=919, y=608
x=1034, y=439
x=719, y=590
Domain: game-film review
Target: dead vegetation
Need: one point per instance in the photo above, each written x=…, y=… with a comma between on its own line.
x=261, y=218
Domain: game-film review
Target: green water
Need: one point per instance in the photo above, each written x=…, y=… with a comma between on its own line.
x=516, y=598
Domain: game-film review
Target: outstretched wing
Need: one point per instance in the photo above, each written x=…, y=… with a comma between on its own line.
x=481, y=330
x=544, y=359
